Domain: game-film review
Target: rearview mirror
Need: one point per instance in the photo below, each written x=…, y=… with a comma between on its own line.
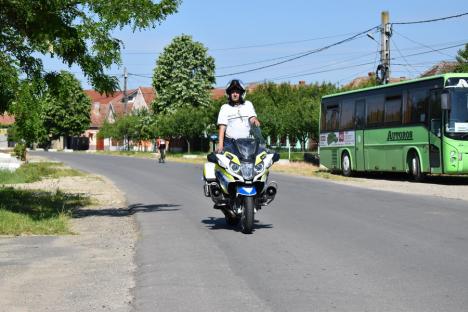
x=444, y=100
x=276, y=157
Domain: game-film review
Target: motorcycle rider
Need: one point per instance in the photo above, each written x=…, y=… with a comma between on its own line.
x=235, y=117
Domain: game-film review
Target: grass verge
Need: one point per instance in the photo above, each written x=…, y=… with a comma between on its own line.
x=37, y=212
x=32, y=172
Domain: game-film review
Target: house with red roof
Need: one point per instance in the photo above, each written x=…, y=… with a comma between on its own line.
x=109, y=107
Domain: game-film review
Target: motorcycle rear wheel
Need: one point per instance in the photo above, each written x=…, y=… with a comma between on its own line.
x=247, y=218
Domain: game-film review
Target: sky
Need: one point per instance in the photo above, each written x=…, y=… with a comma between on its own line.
x=244, y=35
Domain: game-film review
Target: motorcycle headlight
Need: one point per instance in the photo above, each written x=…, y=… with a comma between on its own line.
x=234, y=167
x=259, y=167
x=247, y=170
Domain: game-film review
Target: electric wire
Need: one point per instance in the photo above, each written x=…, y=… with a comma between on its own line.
x=347, y=67
x=421, y=44
x=303, y=55
x=404, y=59
x=278, y=43
x=431, y=20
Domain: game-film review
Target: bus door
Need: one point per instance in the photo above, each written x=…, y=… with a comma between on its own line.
x=435, y=132
x=359, y=122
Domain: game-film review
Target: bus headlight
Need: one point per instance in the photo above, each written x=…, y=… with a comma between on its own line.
x=453, y=157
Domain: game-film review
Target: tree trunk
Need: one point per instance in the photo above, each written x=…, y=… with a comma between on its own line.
x=188, y=146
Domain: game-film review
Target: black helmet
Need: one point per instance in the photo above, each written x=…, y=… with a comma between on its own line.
x=236, y=84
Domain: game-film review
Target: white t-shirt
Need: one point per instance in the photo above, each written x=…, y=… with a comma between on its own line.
x=236, y=118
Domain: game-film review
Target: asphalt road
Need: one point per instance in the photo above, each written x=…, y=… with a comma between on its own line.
x=319, y=246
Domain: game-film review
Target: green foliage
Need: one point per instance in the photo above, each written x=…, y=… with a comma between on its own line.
x=50, y=109
x=137, y=127
x=144, y=127
x=183, y=76
x=287, y=110
x=75, y=32
x=186, y=122
x=462, y=59
x=20, y=151
x=28, y=111
x=107, y=130
x=66, y=109
x=32, y=172
x=9, y=81
x=37, y=212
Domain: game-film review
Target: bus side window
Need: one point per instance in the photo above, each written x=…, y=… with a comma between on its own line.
x=360, y=114
x=417, y=105
x=347, y=115
x=375, y=110
x=332, y=117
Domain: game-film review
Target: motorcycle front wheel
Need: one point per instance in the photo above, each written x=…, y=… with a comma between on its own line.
x=247, y=219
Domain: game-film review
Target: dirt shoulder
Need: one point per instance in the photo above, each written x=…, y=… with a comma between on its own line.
x=89, y=271
x=453, y=187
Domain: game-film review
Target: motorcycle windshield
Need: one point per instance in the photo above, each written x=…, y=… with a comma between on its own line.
x=247, y=149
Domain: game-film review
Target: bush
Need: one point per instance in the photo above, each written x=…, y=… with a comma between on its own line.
x=20, y=151
x=312, y=158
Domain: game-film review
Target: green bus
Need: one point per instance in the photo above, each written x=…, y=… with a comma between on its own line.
x=419, y=127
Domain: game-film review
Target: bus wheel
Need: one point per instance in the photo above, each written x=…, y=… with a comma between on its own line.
x=346, y=164
x=415, y=167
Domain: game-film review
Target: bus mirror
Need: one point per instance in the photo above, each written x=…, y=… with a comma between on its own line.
x=444, y=100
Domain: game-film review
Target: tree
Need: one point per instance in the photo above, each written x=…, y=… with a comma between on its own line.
x=144, y=128
x=9, y=82
x=186, y=122
x=76, y=32
x=66, y=107
x=292, y=111
x=462, y=59
x=184, y=75
x=28, y=110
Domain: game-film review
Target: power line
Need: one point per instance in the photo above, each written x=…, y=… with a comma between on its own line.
x=352, y=66
x=318, y=72
x=436, y=50
x=431, y=20
x=421, y=44
x=303, y=55
x=297, y=74
x=277, y=43
x=404, y=59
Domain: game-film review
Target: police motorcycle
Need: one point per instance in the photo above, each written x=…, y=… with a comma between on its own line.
x=237, y=180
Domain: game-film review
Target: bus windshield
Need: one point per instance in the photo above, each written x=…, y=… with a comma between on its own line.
x=457, y=121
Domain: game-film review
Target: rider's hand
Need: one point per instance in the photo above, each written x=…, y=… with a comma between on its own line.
x=219, y=149
x=254, y=121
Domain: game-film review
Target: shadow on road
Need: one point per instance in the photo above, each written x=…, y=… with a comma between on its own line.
x=151, y=208
x=214, y=223
x=123, y=212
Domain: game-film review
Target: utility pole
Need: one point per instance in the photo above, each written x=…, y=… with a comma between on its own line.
x=383, y=70
x=125, y=90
